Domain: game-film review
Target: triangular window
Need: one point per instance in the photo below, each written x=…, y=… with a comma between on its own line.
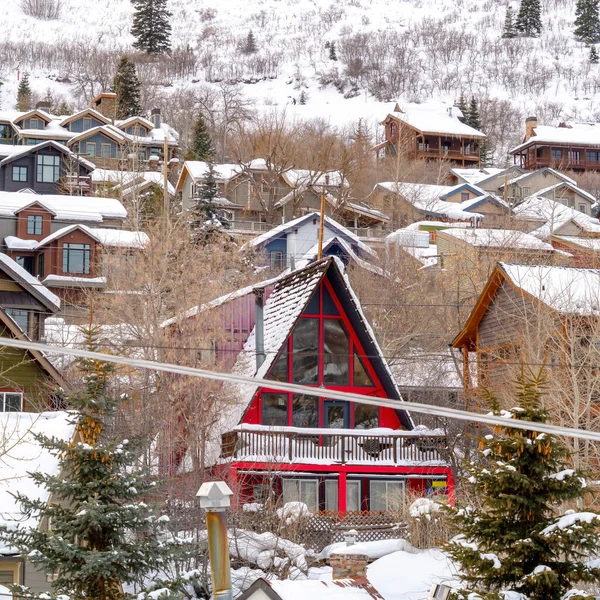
x=313, y=306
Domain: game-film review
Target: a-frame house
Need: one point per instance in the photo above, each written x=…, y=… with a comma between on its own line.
x=307, y=327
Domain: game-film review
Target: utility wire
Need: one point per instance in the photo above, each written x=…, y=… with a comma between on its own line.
x=255, y=383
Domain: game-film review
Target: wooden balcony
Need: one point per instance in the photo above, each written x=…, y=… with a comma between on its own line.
x=564, y=165
x=257, y=443
x=452, y=154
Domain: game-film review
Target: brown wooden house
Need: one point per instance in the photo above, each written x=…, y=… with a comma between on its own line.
x=431, y=133
x=570, y=146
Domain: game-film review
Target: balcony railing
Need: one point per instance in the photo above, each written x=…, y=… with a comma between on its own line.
x=259, y=443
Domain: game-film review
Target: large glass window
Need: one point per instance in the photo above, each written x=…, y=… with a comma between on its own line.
x=353, y=495
x=90, y=149
x=19, y=173
x=305, y=348
x=386, y=494
x=11, y=401
x=34, y=224
x=361, y=377
x=76, y=258
x=48, y=168
x=336, y=352
x=20, y=317
x=279, y=372
x=331, y=494
x=301, y=490
x=305, y=411
x=275, y=409
x=365, y=416
x=105, y=150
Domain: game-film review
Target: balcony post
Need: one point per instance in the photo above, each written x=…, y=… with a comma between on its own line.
x=290, y=437
x=343, y=449
x=342, y=481
x=395, y=448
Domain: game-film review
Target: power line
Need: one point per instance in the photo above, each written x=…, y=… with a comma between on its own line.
x=256, y=383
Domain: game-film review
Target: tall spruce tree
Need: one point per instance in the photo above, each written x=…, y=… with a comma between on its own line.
x=332, y=51
x=511, y=538
x=103, y=533
x=250, y=46
x=127, y=87
x=24, y=94
x=509, y=24
x=207, y=192
x=529, y=19
x=587, y=21
x=594, y=58
x=151, y=27
x=474, y=120
x=463, y=107
x=202, y=147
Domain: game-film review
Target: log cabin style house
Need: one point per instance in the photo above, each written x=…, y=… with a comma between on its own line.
x=431, y=133
x=307, y=327
x=570, y=146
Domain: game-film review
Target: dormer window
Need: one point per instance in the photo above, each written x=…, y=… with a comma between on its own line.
x=87, y=123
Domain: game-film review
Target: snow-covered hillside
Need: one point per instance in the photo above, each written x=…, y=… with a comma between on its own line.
x=387, y=50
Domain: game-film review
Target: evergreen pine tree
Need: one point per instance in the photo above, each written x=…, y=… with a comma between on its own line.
x=485, y=156
x=529, y=19
x=302, y=100
x=151, y=27
x=332, y=52
x=587, y=21
x=473, y=119
x=206, y=194
x=510, y=537
x=103, y=534
x=594, y=55
x=250, y=46
x=127, y=87
x=24, y=94
x=509, y=24
x=202, y=146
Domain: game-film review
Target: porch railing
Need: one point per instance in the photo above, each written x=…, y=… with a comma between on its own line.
x=333, y=446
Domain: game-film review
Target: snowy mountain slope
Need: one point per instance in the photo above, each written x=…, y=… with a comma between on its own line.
x=409, y=51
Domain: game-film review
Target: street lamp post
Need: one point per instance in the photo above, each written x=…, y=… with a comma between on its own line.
x=215, y=498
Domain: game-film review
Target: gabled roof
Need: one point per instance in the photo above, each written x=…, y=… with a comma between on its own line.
x=290, y=296
x=587, y=134
x=29, y=283
x=460, y=188
x=107, y=130
x=50, y=143
x=36, y=112
x=288, y=227
x=546, y=170
x=567, y=185
x=288, y=589
x=478, y=176
x=198, y=169
x=37, y=356
x=136, y=119
x=508, y=239
x=565, y=290
x=86, y=111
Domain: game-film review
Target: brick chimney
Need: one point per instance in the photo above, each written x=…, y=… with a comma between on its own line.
x=106, y=104
x=530, y=125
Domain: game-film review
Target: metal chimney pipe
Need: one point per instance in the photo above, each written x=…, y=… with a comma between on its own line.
x=259, y=326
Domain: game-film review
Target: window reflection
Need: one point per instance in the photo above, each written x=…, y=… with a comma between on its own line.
x=361, y=377
x=365, y=417
x=279, y=372
x=305, y=345
x=305, y=411
x=275, y=409
x=336, y=352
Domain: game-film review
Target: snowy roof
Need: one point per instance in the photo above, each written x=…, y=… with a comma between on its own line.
x=496, y=238
x=433, y=118
x=68, y=281
x=297, y=177
x=198, y=169
x=524, y=176
x=568, y=290
x=285, y=228
x=475, y=176
x=129, y=181
x=553, y=215
x=60, y=147
x=585, y=134
x=23, y=454
x=565, y=184
x=356, y=589
x=588, y=243
x=65, y=208
x=427, y=199
x=30, y=283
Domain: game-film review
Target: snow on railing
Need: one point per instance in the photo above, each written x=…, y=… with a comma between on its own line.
x=330, y=446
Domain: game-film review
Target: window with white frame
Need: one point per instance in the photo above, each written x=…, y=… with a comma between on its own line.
x=48, y=168
x=11, y=401
x=19, y=173
x=301, y=490
x=583, y=208
x=386, y=494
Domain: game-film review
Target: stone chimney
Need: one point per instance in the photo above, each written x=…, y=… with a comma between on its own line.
x=106, y=104
x=43, y=105
x=155, y=117
x=530, y=125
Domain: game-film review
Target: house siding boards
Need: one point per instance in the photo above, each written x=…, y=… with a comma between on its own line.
x=77, y=126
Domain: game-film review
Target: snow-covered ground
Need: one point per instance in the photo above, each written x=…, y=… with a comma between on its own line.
x=405, y=50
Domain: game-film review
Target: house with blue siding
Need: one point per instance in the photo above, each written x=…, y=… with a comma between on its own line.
x=295, y=242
